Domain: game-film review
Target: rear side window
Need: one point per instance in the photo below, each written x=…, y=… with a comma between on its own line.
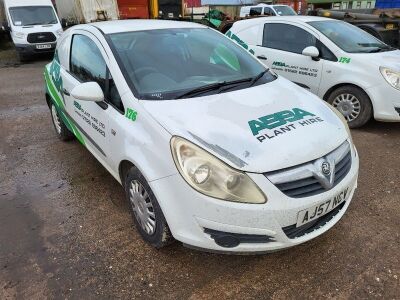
x=268, y=12
x=87, y=64
x=287, y=38
x=255, y=11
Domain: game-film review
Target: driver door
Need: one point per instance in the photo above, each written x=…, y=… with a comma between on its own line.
x=281, y=49
x=87, y=63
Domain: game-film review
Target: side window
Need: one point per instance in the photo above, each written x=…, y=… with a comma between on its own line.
x=268, y=12
x=255, y=11
x=87, y=64
x=62, y=52
x=287, y=38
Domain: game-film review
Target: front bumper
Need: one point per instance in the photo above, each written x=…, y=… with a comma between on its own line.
x=196, y=219
x=30, y=49
x=386, y=102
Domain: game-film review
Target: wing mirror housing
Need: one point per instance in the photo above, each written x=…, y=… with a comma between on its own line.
x=88, y=91
x=5, y=27
x=311, y=51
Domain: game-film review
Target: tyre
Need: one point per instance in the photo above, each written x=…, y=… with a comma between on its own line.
x=23, y=58
x=62, y=131
x=146, y=213
x=353, y=103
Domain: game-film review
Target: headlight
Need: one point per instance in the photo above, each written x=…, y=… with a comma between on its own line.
x=59, y=32
x=19, y=35
x=392, y=77
x=212, y=177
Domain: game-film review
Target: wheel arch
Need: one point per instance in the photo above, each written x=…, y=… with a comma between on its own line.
x=339, y=85
x=123, y=169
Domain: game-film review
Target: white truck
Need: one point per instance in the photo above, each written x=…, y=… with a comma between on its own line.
x=33, y=26
x=86, y=11
x=263, y=9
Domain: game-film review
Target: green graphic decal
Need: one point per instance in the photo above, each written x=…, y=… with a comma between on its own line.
x=278, y=119
x=56, y=96
x=239, y=41
x=344, y=60
x=279, y=64
x=131, y=114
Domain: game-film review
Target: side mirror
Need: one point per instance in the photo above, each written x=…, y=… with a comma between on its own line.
x=5, y=27
x=88, y=91
x=311, y=51
x=64, y=23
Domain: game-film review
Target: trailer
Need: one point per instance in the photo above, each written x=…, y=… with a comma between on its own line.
x=86, y=11
x=383, y=24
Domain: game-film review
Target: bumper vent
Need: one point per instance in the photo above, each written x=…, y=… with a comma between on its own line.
x=398, y=110
x=41, y=37
x=230, y=240
x=314, y=177
x=294, y=232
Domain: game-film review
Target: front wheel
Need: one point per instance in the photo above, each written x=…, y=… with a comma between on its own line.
x=353, y=103
x=146, y=212
x=62, y=131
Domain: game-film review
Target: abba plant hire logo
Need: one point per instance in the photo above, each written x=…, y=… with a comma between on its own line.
x=282, y=122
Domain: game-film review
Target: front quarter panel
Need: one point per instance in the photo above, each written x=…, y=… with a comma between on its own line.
x=136, y=137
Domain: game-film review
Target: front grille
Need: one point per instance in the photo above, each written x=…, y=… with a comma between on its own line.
x=41, y=37
x=294, y=232
x=308, y=179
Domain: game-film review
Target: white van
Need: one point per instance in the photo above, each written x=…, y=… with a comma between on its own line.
x=266, y=10
x=211, y=147
x=33, y=25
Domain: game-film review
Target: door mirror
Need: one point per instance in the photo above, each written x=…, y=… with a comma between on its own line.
x=5, y=27
x=311, y=51
x=88, y=91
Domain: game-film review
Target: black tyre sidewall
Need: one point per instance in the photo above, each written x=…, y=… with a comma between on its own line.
x=65, y=134
x=366, y=106
x=162, y=235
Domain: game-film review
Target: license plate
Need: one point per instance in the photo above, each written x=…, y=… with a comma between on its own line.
x=321, y=209
x=46, y=46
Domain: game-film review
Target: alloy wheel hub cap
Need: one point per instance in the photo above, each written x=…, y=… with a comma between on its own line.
x=142, y=207
x=348, y=105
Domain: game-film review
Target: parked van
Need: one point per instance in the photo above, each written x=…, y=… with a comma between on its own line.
x=33, y=25
x=266, y=10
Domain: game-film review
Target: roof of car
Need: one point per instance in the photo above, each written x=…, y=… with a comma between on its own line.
x=298, y=19
x=139, y=25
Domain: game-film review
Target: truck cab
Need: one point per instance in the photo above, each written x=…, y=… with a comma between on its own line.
x=263, y=9
x=33, y=25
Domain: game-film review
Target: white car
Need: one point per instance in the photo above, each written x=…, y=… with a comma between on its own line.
x=342, y=64
x=263, y=9
x=33, y=25
x=212, y=148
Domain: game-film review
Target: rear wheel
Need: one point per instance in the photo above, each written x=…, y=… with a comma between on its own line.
x=146, y=212
x=62, y=131
x=353, y=103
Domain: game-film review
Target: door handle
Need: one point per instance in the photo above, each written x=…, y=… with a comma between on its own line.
x=65, y=92
x=262, y=57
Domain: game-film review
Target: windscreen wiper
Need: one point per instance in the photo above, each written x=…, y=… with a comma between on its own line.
x=213, y=86
x=258, y=77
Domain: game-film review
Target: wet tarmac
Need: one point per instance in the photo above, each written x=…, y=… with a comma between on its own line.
x=65, y=231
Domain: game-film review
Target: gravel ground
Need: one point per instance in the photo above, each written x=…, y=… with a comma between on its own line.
x=65, y=231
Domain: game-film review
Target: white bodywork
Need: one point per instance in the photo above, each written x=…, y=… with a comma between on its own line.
x=85, y=11
x=359, y=69
x=265, y=10
x=19, y=33
x=217, y=123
